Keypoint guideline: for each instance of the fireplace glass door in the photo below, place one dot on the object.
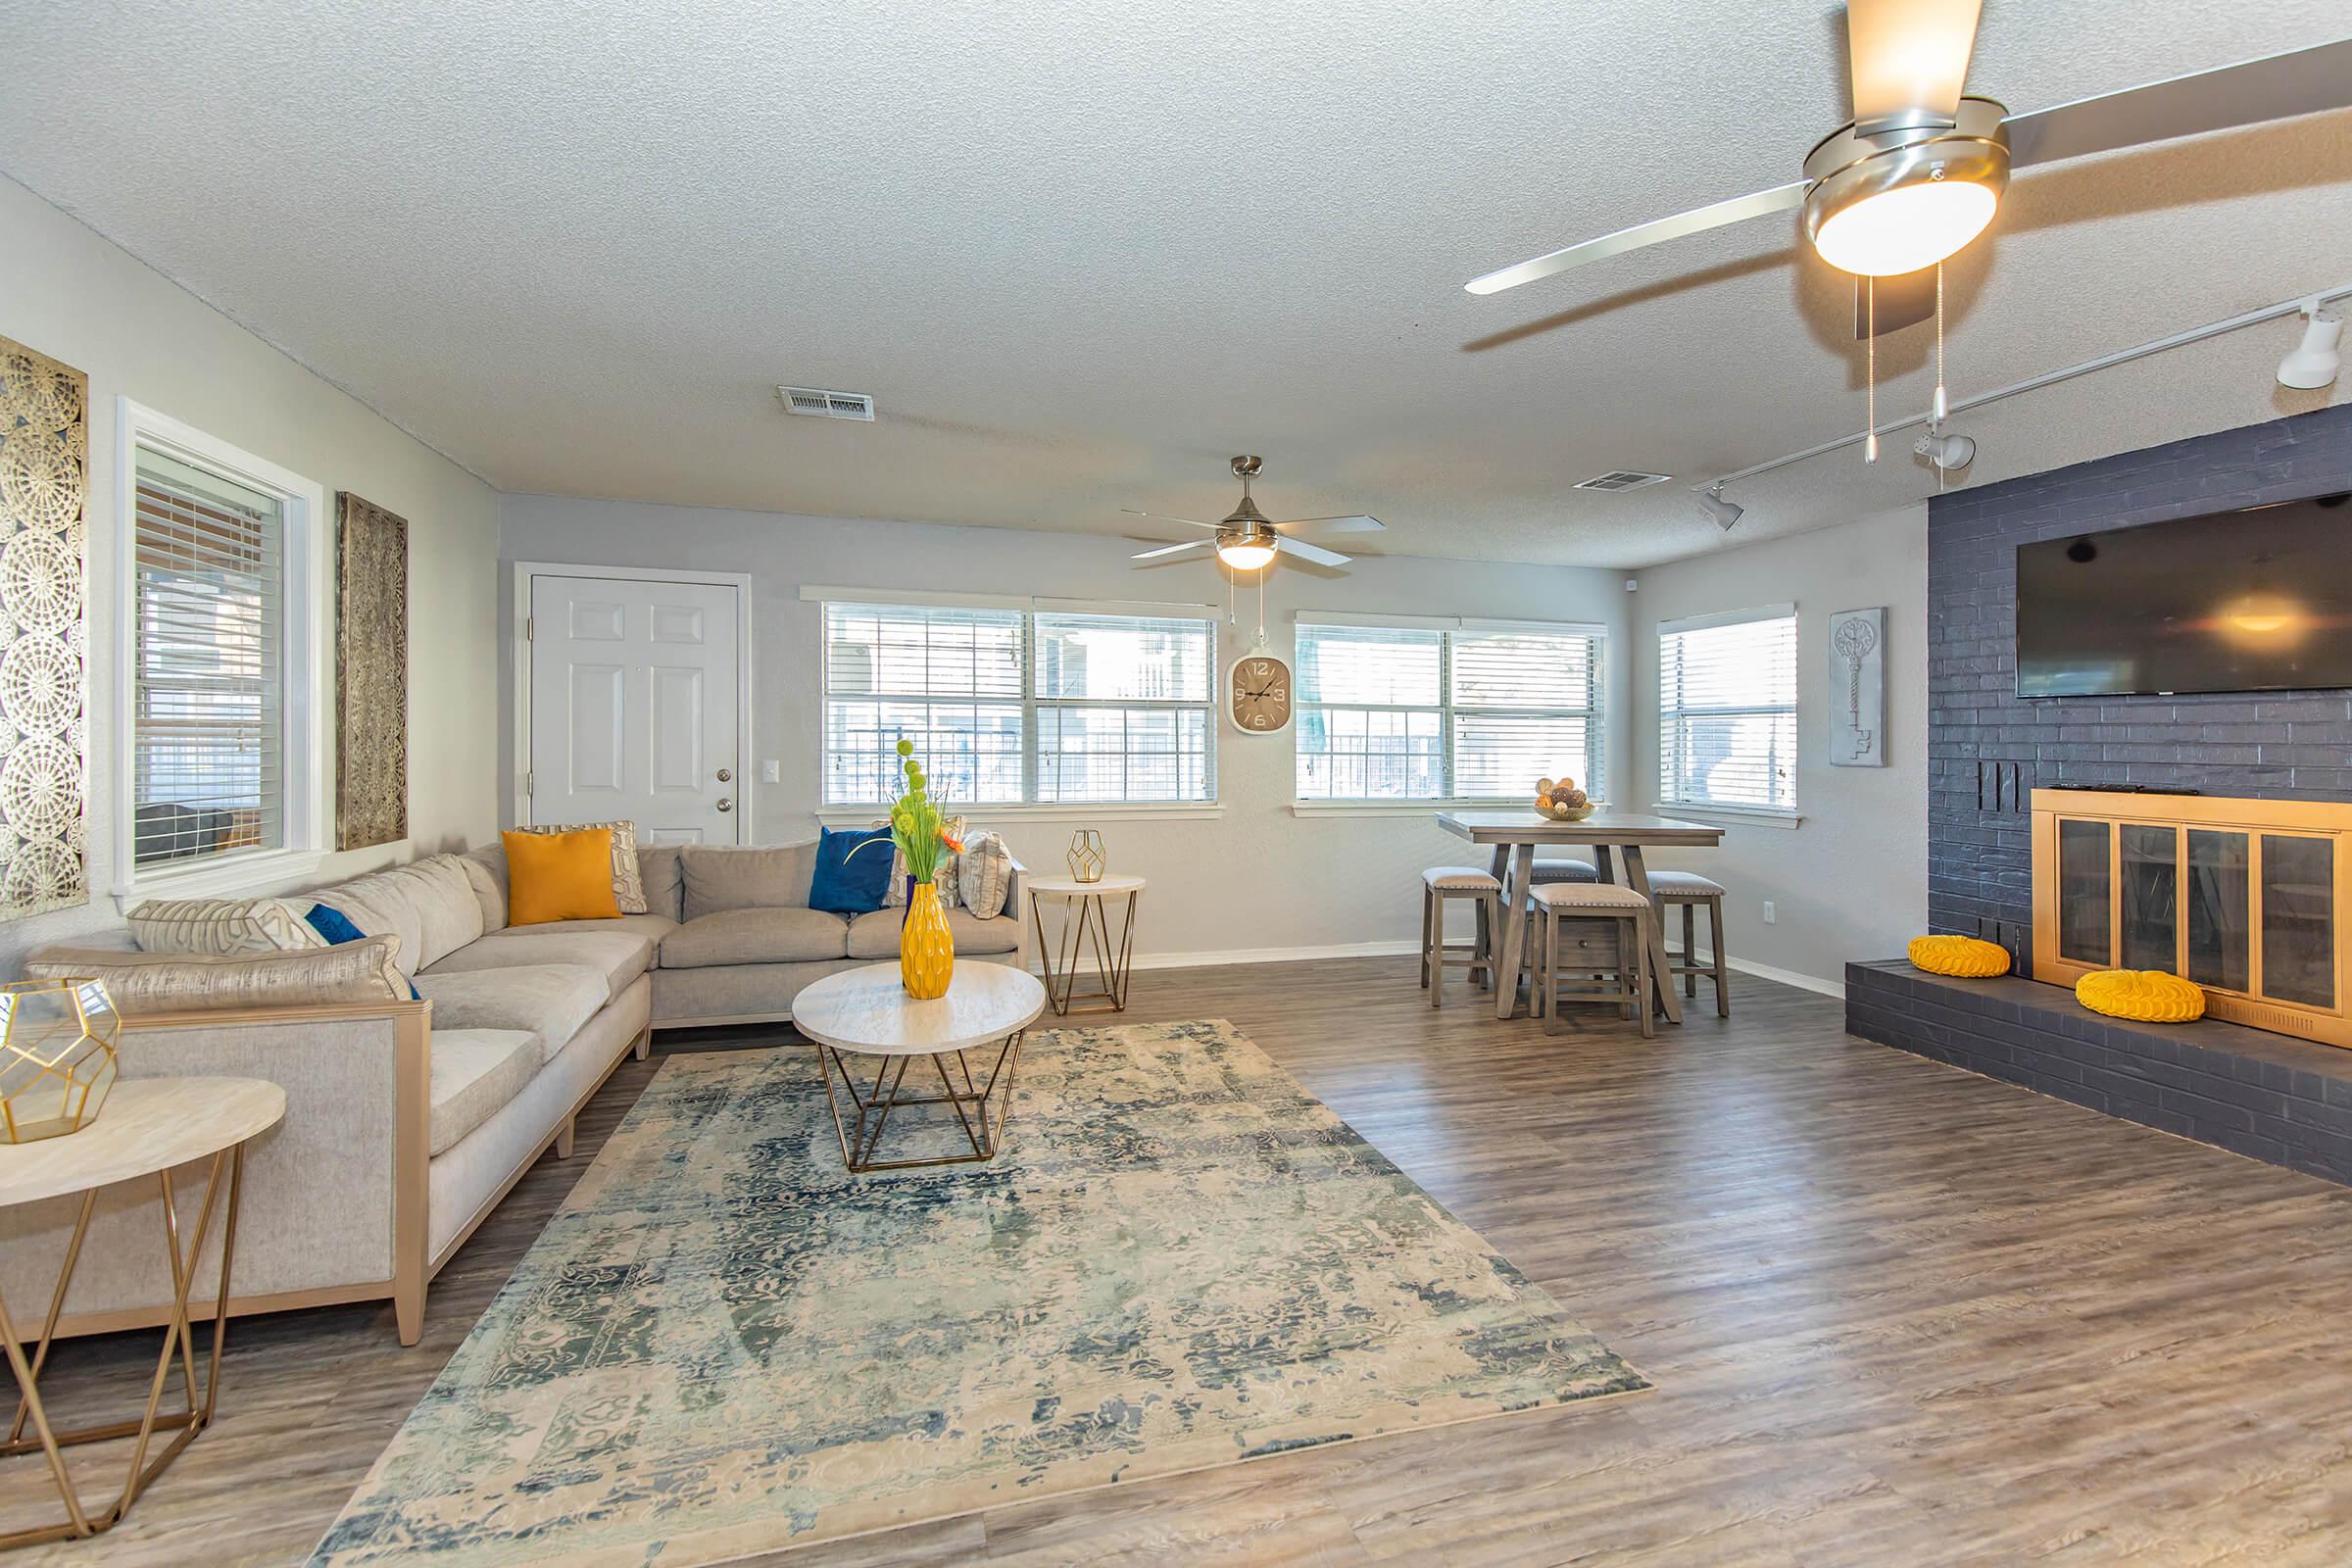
(2298, 925)
(2219, 886)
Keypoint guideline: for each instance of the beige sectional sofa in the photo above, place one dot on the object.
(408, 1121)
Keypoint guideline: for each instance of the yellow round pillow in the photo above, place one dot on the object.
(1965, 956)
(2146, 996)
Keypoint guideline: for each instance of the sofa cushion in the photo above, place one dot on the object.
(618, 950)
(430, 904)
(550, 999)
(474, 1073)
(876, 935)
(719, 877)
(628, 882)
(756, 936)
(485, 866)
(658, 871)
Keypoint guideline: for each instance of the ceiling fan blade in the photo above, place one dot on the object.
(2300, 82)
(1909, 60)
(1904, 299)
(1171, 550)
(1738, 209)
(1306, 552)
(1157, 517)
(1358, 523)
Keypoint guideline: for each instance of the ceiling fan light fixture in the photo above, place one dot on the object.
(1883, 205)
(1247, 553)
(2315, 362)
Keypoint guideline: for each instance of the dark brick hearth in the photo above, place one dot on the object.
(1987, 748)
(2287, 1102)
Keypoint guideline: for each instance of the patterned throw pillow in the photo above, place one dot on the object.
(984, 875)
(894, 897)
(219, 928)
(628, 882)
(143, 983)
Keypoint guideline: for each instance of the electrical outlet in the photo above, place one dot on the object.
(1771, 915)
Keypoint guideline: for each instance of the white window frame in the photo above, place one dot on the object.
(308, 734)
(855, 814)
(1596, 718)
(1775, 815)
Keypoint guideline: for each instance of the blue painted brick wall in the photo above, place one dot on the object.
(1989, 749)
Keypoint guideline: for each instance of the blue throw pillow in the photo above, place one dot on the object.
(841, 885)
(334, 926)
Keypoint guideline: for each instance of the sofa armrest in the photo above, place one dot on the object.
(335, 1198)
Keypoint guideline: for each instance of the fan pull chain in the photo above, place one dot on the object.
(1870, 323)
(1262, 573)
(1942, 476)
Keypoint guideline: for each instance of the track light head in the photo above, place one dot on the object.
(1725, 514)
(1946, 451)
(2315, 362)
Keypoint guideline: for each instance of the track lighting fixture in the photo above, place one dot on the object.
(2314, 363)
(1725, 514)
(1946, 451)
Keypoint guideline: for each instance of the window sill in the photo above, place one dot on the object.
(1745, 815)
(1058, 812)
(1429, 807)
(246, 876)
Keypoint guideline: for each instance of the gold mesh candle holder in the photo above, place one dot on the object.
(1088, 858)
(57, 1057)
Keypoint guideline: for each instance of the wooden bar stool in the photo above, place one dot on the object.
(1691, 890)
(1483, 891)
(1564, 909)
(1564, 871)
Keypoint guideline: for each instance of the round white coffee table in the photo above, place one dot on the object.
(867, 1013)
(1085, 922)
(145, 1128)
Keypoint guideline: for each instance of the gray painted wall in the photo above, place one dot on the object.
(1257, 876)
(1989, 747)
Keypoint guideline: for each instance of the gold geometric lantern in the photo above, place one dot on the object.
(57, 1057)
(1087, 857)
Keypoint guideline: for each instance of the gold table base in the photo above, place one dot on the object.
(970, 1103)
(1084, 924)
(179, 1341)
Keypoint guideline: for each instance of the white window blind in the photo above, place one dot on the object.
(1009, 706)
(1727, 710)
(208, 731)
(1466, 713)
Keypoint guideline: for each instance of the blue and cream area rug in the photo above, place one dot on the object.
(724, 1342)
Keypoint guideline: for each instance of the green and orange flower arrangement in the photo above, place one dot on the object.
(926, 945)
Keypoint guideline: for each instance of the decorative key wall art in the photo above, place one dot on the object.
(1858, 688)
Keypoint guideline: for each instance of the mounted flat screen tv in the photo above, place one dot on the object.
(2250, 601)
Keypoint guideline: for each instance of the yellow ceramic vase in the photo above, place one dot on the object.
(926, 947)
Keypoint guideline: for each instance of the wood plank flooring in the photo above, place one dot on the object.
(1897, 1315)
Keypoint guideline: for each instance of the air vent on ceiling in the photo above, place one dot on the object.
(1622, 479)
(819, 404)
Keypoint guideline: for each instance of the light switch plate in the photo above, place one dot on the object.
(771, 771)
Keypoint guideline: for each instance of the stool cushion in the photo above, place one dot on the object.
(1563, 871)
(1567, 897)
(1684, 884)
(1460, 879)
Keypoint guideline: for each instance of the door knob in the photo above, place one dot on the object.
(725, 805)
(725, 774)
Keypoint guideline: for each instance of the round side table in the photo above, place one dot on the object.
(1085, 923)
(148, 1126)
(867, 1013)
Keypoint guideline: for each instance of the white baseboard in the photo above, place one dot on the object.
(1790, 978)
(1406, 946)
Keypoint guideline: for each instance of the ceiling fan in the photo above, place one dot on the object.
(1920, 171)
(1247, 539)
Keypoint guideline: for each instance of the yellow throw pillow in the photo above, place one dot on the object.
(560, 876)
(1964, 956)
(2145, 996)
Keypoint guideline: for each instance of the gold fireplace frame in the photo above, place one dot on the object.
(2332, 821)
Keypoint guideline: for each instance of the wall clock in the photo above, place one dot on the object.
(1258, 692)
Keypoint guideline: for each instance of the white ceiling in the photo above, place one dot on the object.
(1080, 254)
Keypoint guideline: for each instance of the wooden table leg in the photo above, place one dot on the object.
(1661, 974)
(1522, 870)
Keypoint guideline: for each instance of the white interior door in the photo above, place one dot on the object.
(636, 705)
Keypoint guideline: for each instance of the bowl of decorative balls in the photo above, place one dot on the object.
(1560, 800)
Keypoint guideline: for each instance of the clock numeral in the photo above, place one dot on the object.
(1257, 721)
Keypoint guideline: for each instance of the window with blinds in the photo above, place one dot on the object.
(1727, 709)
(1469, 711)
(207, 764)
(1011, 706)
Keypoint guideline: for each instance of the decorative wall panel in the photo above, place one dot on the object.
(44, 559)
(371, 675)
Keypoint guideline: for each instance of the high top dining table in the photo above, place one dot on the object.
(1514, 834)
